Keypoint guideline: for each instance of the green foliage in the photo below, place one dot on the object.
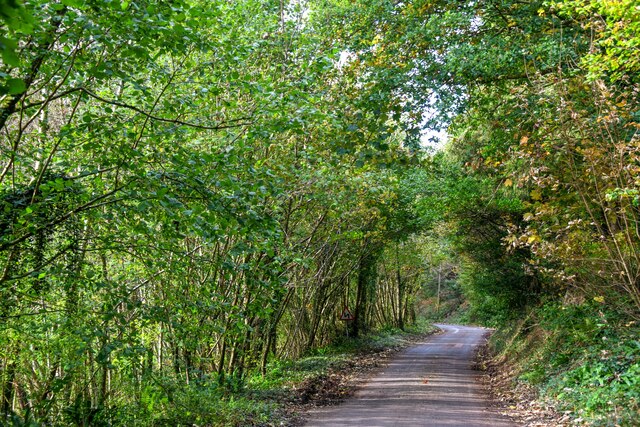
(594, 353)
(615, 39)
(479, 215)
(202, 403)
(582, 356)
(16, 21)
(187, 190)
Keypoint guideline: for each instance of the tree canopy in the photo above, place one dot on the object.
(190, 189)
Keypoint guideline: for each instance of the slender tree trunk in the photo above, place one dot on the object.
(439, 284)
(400, 290)
(365, 288)
(7, 389)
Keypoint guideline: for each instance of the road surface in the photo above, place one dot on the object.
(431, 384)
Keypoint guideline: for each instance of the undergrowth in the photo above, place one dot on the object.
(582, 357)
(254, 400)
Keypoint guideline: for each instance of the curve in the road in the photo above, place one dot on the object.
(431, 384)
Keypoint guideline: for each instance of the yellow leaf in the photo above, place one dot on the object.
(528, 216)
(536, 195)
(508, 183)
(533, 239)
(599, 299)
(524, 139)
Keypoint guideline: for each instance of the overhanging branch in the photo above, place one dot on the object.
(239, 122)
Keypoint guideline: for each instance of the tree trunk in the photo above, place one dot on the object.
(364, 292)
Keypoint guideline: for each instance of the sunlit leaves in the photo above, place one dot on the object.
(176, 176)
(615, 27)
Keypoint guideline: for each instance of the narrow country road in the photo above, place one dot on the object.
(431, 384)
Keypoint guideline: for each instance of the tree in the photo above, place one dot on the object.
(182, 198)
